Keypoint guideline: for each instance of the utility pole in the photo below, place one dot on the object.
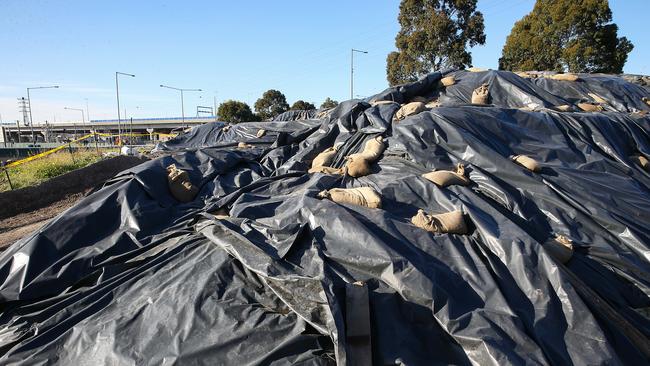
(352, 51)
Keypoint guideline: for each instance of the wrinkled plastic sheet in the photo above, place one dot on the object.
(296, 115)
(131, 276)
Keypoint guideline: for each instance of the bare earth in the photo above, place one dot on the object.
(24, 211)
(18, 226)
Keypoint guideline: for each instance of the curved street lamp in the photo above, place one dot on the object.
(352, 51)
(182, 101)
(117, 90)
(29, 100)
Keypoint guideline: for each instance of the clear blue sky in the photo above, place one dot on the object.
(231, 50)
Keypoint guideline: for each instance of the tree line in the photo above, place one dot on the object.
(557, 35)
(267, 107)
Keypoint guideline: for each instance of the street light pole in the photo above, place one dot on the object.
(214, 107)
(83, 117)
(117, 90)
(182, 100)
(29, 100)
(352, 51)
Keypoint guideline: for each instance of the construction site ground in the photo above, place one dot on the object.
(18, 226)
(25, 210)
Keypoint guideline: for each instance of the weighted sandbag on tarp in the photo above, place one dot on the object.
(444, 178)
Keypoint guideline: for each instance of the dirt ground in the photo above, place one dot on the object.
(25, 210)
(14, 228)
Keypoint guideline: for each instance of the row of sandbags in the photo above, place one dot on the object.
(527, 90)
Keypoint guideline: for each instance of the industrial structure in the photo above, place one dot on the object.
(58, 132)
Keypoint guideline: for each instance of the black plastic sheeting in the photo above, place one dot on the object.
(295, 115)
(131, 276)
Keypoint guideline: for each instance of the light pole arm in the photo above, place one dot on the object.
(29, 99)
(117, 91)
(182, 98)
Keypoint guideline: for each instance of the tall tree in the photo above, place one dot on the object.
(302, 105)
(434, 35)
(329, 103)
(272, 103)
(234, 111)
(566, 35)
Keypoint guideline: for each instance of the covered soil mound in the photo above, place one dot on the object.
(533, 246)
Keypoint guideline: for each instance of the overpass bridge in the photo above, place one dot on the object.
(50, 132)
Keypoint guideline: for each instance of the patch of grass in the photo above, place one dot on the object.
(40, 170)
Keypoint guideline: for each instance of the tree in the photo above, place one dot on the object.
(434, 35)
(234, 111)
(272, 103)
(329, 103)
(302, 105)
(566, 35)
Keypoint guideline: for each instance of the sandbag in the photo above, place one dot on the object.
(565, 77)
(560, 248)
(225, 128)
(261, 132)
(381, 102)
(176, 175)
(243, 145)
(642, 161)
(179, 184)
(444, 223)
(646, 100)
(324, 113)
(563, 108)
(590, 107)
(527, 162)
(524, 74)
(448, 81)
(373, 149)
(358, 165)
(433, 104)
(409, 109)
(363, 196)
(325, 158)
(221, 213)
(597, 98)
(481, 94)
(476, 69)
(327, 170)
(445, 178)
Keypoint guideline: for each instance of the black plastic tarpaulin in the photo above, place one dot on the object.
(130, 275)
